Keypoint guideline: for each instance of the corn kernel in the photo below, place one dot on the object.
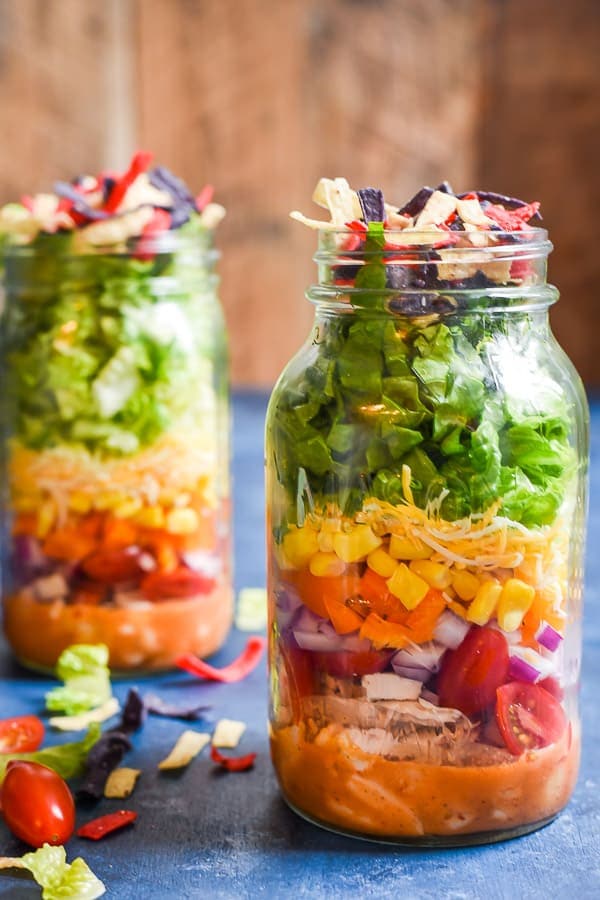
(182, 521)
(109, 500)
(356, 544)
(325, 541)
(515, 601)
(299, 545)
(80, 502)
(182, 500)
(46, 517)
(151, 517)
(408, 548)
(382, 563)
(435, 574)
(465, 584)
(484, 605)
(407, 586)
(326, 564)
(128, 508)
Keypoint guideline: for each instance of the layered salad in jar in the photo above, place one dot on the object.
(115, 421)
(424, 528)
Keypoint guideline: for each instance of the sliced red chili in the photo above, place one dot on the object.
(139, 164)
(232, 763)
(245, 663)
(103, 825)
(204, 197)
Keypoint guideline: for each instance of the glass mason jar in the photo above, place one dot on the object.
(426, 486)
(116, 514)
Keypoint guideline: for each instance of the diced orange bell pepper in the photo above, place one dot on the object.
(422, 620)
(119, 533)
(539, 609)
(343, 619)
(384, 633)
(374, 590)
(25, 523)
(68, 544)
(314, 590)
(90, 525)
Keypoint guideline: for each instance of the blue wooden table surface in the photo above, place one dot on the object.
(209, 834)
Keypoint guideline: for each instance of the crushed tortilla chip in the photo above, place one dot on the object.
(121, 782)
(187, 746)
(228, 733)
(82, 720)
(251, 612)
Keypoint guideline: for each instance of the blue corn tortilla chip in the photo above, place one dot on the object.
(160, 707)
(66, 190)
(183, 201)
(417, 203)
(105, 755)
(372, 204)
(134, 714)
(503, 200)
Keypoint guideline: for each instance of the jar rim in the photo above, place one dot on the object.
(200, 243)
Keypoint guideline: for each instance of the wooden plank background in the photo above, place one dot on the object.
(263, 98)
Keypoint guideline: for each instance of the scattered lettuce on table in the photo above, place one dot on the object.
(84, 670)
(58, 879)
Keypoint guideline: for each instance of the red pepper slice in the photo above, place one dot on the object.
(232, 763)
(357, 226)
(103, 825)
(235, 671)
(204, 197)
(139, 164)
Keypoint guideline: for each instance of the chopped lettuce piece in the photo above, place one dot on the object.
(67, 759)
(59, 879)
(84, 669)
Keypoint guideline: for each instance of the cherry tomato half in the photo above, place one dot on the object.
(528, 716)
(345, 664)
(171, 585)
(21, 734)
(37, 804)
(470, 675)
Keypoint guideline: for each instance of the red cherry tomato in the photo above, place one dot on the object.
(21, 734)
(344, 664)
(171, 585)
(470, 675)
(112, 566)
(528, 717)
(37, 804)
(553, 686)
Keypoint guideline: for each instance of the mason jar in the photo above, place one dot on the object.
(116, 514)
(426, 461)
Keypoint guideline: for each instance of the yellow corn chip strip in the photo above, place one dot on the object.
(82, 720)
(228, 733)
(121, 782)
(188, 745)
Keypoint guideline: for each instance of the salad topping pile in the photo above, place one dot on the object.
(424, 487)
(115, 354)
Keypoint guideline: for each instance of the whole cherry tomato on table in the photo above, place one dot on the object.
(37, 804)
(21, 734)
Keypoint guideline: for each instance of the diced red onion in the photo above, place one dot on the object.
(352, 643)
(548, 636)
(450, 629)
(415, 673)
(307, 620)
(313, 640)
(533, 662)
(519, 670)
(425, 656)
